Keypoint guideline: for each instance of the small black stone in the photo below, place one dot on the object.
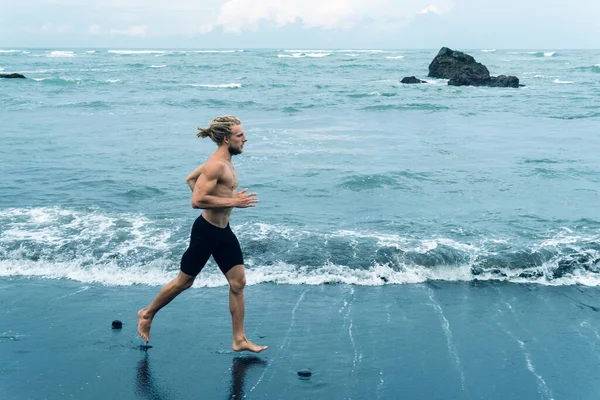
(116, 324)
(305, 373)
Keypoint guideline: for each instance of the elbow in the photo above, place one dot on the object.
(196, 202)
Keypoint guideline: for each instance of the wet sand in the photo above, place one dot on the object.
(431, 341)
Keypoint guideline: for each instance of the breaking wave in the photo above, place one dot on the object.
(93, 246)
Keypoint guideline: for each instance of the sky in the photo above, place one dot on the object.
(301, 24)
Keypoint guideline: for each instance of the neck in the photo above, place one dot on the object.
(223, 152)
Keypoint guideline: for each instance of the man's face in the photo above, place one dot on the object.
(237, 140)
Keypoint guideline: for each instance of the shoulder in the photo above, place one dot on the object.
(213, 168)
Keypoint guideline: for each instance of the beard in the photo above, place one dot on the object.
(235, 151)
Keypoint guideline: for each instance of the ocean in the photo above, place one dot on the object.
(366, 186)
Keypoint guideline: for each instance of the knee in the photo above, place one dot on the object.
(237, 285)
(183, 284)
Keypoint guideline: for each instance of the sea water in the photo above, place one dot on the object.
(361, 179)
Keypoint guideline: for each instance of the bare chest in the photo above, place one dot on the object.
(229, 179)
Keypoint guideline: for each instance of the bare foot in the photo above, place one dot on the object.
(246, 345)
(144, 322)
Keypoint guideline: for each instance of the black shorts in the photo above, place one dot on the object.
(206, 240)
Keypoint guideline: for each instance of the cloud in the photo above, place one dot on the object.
(310, 23)
(160, 5)
(51, 29)
(430, 9)
(240, 15)
(237, 15)
(95, 30)
(134, 31)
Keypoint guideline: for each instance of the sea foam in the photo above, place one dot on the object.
(129, 249)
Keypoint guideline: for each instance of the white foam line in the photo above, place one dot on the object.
(541, 382)
(293, 321)
(542, 386)
(71, 294)
(448, 333)
(350, 335)
(349, 305)
(357, 358)
(380, 386)
(284, 342)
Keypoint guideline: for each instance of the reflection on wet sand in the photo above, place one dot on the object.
(239, 368)
(146, 388)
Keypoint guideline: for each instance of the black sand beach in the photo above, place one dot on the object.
(430, 341)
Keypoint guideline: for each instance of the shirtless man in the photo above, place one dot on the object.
(214, 189)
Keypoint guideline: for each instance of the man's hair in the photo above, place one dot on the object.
(219, 128)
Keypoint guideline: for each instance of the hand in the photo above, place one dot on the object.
(243, 200)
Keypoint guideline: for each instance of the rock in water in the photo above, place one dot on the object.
(116, 324)
(462, 70)
(449, 63)
(411, 79)
(12, 76)
(504, 81)
(304, 373)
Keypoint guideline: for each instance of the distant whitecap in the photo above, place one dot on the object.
(60, 53)
(562, 82)
(128, 52)
(363, 51)
(216, 51)
(223, 85)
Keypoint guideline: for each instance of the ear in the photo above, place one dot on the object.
(226, 140)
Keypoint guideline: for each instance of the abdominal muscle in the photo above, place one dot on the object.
(219, 216)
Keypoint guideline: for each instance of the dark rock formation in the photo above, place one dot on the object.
(8, 76)
(504, 81)
(449, 63)
(411, 79)
(462, 70)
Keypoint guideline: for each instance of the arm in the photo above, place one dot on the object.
(193, 177)
(205, 185)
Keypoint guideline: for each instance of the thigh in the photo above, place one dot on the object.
(201, 247)
(228, 253)
(194, 259)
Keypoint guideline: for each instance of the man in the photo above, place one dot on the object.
(214, 189)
